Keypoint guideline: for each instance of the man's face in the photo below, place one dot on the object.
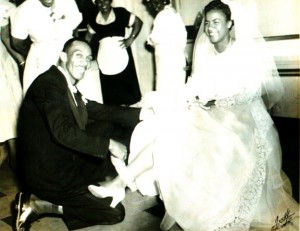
(79, 57)
(47, 3)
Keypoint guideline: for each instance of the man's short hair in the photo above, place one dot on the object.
(70, 42)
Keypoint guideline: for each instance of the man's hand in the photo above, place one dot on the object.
(117, 149)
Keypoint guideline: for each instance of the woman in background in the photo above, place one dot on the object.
(216, 154)
(51, 25)
(169, 38)
(112, 49)
(10, 86)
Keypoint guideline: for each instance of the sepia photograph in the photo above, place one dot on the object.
(149, 115)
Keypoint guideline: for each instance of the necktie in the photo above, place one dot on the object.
(81, 108)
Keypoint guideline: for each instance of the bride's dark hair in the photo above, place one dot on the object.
(218, 5)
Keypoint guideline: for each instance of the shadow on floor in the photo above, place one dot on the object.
(288, 130)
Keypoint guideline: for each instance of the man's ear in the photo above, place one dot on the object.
(63, 57)
(229, 24)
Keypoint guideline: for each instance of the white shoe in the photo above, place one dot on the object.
(102, 192)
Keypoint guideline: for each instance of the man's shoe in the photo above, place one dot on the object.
(25, 214)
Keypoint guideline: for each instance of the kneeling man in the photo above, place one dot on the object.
(64, 141)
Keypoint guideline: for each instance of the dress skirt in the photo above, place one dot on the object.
(219, 169)
(11, 95)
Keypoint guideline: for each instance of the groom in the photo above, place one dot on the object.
(64, 142)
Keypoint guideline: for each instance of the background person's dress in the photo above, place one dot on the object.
(48, 28)
(10, 87)
(118, 76)
(169, 38)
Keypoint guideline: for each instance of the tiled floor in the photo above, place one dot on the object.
(143, 213)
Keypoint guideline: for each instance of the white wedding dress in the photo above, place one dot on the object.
(218, 168)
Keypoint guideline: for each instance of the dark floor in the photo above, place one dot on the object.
(145, 213)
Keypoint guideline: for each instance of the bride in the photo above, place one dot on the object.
(213, 148)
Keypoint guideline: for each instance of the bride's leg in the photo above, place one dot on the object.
(143, 137)
(116, 188)
(140, 158)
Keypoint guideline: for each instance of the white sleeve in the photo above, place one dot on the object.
(20, 22)
(131, 20)
(73, 14)
(165, 28)
(6, 9)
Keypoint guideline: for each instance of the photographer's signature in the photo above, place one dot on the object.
(283, 221)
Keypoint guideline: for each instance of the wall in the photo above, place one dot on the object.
(279, 17)
(279, 20)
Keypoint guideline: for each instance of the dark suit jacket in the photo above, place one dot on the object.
(58, 156)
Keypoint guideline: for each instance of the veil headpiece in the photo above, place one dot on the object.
(245, 31)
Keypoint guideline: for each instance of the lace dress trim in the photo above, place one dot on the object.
(246, 202)
(244, 98)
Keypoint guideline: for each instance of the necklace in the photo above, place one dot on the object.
(228, 45)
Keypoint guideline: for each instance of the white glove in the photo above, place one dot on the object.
(117, 149)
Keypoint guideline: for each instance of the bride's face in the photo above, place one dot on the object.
(216, 26)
